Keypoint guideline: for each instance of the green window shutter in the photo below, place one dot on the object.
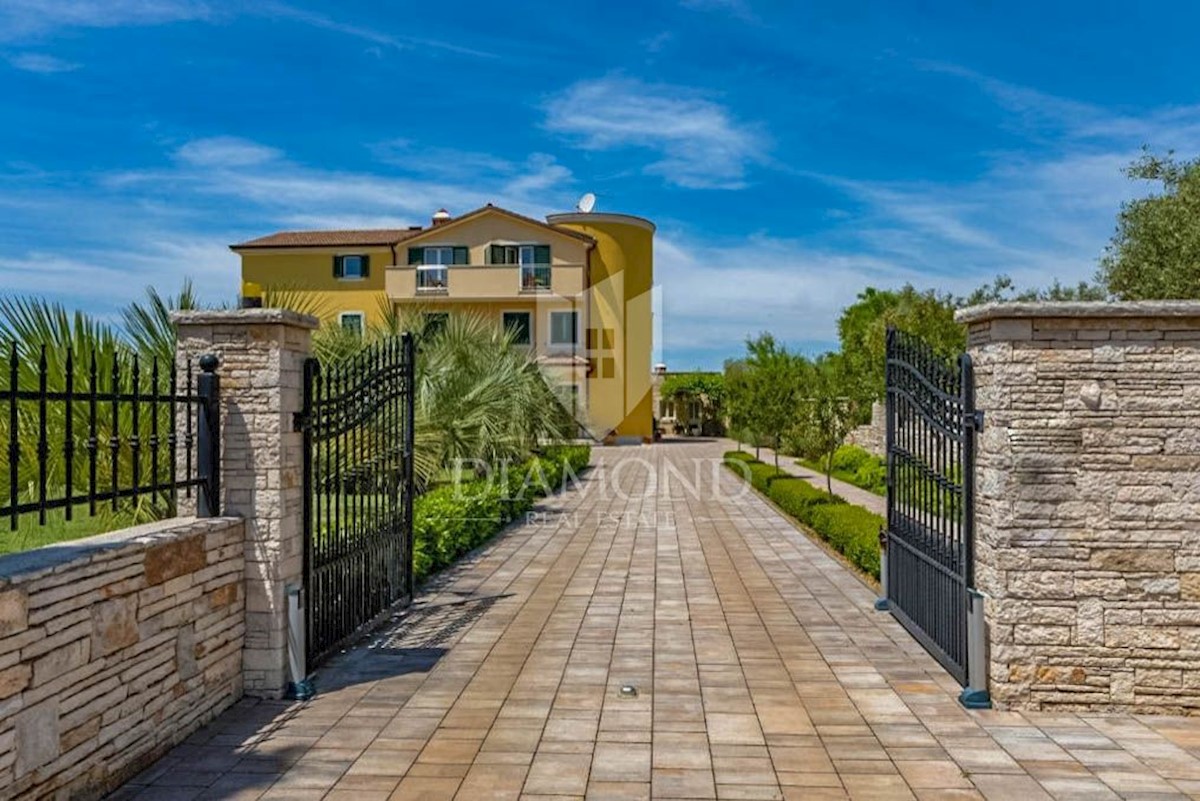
(366, 265)
(337, 266)
(416, 255)
(541, 254)
(462, 255)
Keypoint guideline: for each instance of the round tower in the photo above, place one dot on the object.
(620, 327)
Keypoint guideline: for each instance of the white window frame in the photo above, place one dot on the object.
(532, 324)
(550, 326)
(442, 250)
(362, 320)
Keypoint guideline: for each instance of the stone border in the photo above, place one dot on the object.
(58, 557)
(244, 316)
(1078, 309)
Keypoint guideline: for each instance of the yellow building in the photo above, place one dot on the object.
(576, 289)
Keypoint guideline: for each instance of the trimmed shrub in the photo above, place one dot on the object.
(851, 530)
(452, 520)
(798, 498)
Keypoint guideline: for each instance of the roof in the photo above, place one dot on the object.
(384, 237)
(301, 239)
(489, 208)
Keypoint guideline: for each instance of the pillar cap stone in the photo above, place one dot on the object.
(244, 317)
(1078, 309)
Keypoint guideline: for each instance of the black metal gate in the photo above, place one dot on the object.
(931, 426)
(358, 491)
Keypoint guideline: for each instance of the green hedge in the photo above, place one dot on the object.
(852, 530)
(452, 520)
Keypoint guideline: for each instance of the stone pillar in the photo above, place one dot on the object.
(262, 353)
(1088, 502)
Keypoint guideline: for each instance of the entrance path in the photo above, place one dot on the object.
(760, 670)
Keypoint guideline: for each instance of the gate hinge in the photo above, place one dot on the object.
(975, 418)
(883, 538)
(299, 421)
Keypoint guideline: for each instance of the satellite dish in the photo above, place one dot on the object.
(586, 203)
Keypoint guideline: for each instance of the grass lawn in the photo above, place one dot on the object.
(30, 534)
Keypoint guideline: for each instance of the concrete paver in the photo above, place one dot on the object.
(760, 668)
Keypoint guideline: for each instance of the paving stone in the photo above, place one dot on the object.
(762, 672)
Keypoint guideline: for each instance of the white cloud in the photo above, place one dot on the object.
(366, 33)
(225, 152)
(697, 142)
(281, 191)
(138, 228)
(41, 63)
(26, 19)
(21, 19)
(106, 279)
(1037, 214)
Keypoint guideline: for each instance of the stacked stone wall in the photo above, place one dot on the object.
(113, 649)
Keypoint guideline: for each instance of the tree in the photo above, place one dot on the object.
(738, 400)
(831, 406)
(862, 330)
(1155, 252)
(1003, 290)
(773, 388)
(707, 389)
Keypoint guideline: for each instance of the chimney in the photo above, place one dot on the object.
(441, 217)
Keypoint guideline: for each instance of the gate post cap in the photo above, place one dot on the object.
(209, 362)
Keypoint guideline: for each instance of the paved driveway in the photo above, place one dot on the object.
(760, 670)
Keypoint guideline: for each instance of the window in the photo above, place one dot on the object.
(519, 323)
(351, 267)
(439, 255)
(352, 321)
(564, 328)
(518, 254)
(435, 323)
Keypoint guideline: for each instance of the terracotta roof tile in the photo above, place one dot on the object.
(300, 239)
(383, 236)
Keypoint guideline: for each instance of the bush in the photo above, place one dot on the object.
(851, 530)
(452, 520)
(798, 498)
(762, 475)
(850, 458)
(856, 466)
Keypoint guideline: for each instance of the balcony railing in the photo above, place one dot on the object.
(535, 277)
(432, 279)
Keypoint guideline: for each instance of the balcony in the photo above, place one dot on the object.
(535, 277)
(433, 280)
(484, 282)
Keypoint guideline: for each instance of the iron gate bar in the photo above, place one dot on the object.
(931, 423)
(357, 421)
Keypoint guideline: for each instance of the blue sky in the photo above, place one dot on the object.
(791, 153)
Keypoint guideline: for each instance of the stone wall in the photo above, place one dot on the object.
(113, 649)
(1088, 503)
(872, 437)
